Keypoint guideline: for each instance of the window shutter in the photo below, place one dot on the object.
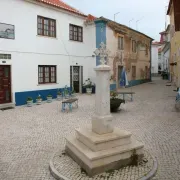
(177, 14)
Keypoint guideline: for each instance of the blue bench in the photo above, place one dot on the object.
(69, 103)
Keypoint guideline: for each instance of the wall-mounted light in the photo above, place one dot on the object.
(93, 55)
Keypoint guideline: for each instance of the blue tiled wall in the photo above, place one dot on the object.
(21, 97)
(100, 35)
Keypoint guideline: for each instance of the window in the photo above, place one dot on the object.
(46, 27)
(134, 46)
(120, 43)
(75, 33)
(133, 72)
(46, 74)
(7, 31)
(5, 56)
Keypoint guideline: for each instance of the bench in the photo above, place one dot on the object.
(124, 93)
(69, 103)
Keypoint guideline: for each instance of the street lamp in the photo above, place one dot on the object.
(115, 15)
(131, 21)
(137, 22)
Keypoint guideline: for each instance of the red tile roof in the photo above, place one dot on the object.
(60, 4)
(156, 43)
(91, 17)
(159, 50)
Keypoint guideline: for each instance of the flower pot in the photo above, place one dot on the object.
(66, 96)
(115, 104)
(59, 97)
(38, 101)
(89, 90)
(29, 103)
(73, 95)
(49, 99)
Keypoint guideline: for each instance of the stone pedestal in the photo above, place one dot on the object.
(101, 147)
(102, 121)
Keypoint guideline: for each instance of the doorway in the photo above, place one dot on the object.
(5, 84)
(76, 78)
(120, 69)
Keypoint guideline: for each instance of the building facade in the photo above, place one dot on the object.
(155, 58)
(44, 46)
(174, 13)
(128, 48)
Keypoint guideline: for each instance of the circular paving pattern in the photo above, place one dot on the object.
(63, 167)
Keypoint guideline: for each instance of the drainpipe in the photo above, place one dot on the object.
(150, 59)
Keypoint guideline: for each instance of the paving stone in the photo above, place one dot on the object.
(30, 136)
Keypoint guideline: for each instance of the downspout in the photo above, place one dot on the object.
(151, 59)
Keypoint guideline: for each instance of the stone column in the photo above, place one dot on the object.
(102, 121)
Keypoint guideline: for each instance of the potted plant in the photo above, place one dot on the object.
(73, 93)
(88, 85)
(49, 98)
(115, 102)
(29, 102)
(66, 92)
(39, 100)
(59, 95)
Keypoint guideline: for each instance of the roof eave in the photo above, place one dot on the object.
(108, 20)
(169, 7)
(55, 6)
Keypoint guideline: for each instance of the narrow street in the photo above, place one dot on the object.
(30, 136)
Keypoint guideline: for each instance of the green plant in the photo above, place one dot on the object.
(49, 95)
(134, 159)
(73, 91)
(29, 99)
(88, 83)
(113, 94)
(66, 92)
(39, 97)
(59, 93)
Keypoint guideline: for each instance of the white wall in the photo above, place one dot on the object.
(166, 59)
(30, 50)
(154, 55)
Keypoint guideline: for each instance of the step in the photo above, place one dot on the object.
(7, 105)
(104, 157)
(97, 142)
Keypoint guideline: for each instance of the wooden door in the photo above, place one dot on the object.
(133, 72)
(5, 84)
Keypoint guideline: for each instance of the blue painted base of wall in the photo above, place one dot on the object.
(21, 97)
(131, 83)
(93, 90)
(137, 82)
(112, 87)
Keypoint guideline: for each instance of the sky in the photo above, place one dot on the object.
(151, 13)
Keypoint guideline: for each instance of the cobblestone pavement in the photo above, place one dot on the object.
(30, 136)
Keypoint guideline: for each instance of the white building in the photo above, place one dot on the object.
(43, 47)
(160, 53)
(154, 58)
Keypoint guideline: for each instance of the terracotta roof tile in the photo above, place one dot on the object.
(62, 5)
(91, 17)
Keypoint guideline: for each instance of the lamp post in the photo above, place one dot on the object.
(131, 21)
(115, 15)
(137, 22)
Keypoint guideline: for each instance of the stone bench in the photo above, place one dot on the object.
(125, 93)
(69, 103)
